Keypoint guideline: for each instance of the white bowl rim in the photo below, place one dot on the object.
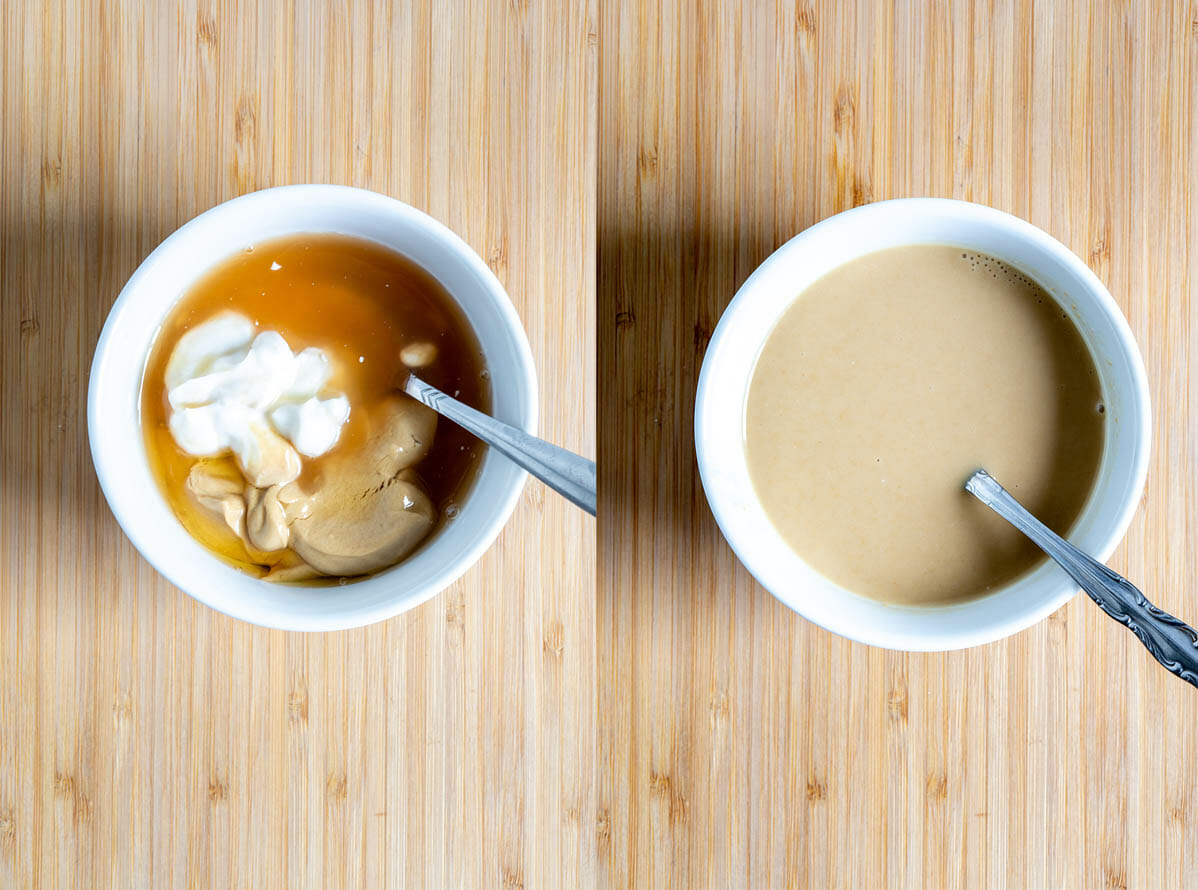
(880, 636)
(173, 570)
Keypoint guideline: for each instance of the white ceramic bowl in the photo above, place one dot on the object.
(748, 321)
(114, 418)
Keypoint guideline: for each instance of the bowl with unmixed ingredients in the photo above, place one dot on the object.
(246, 420)
(866, 368)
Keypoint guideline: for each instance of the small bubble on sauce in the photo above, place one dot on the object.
(250, 249)
(274, 266)
(1101, 408)
(361, 359)
(451, 511)
(485, 374)
(343, 581)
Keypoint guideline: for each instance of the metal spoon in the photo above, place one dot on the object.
(563, 471)
(1171, 641)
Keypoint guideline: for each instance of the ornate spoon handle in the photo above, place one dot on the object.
(562, 470)
(1171, 641)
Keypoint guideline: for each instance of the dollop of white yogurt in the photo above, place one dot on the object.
(234, 389)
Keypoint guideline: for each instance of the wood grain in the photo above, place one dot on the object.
(739, 745)
(146, 740)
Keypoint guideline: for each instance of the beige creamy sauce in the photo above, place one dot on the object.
(890, 380)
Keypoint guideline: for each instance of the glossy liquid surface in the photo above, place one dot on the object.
(885, 385)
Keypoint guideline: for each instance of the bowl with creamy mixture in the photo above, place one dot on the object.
(246, 416)
(867, 368)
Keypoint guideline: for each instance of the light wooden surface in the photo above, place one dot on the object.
(147, 741)
(739, 745)
(699, 734)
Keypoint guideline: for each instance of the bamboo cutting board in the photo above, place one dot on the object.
(147, 741)
(739, 745)
(676, 727)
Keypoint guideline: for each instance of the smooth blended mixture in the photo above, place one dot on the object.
(885, 385)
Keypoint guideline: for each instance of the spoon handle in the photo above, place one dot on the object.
(1171, 641)
(565, 472)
